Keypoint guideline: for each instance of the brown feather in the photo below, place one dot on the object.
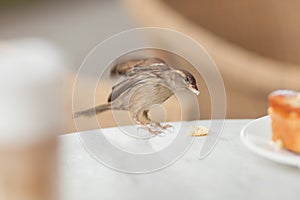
(92, 111)
(123, 68)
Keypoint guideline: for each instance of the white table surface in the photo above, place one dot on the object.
(230, 172)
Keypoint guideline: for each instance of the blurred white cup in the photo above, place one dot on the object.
(31, 110)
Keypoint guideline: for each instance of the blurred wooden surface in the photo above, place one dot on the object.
(29, 171)
(267, 27)
(250, 41)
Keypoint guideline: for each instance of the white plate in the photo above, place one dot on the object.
(256, 135)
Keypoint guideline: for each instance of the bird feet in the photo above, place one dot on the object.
(157, 128)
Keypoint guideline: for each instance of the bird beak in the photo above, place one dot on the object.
(194, 89)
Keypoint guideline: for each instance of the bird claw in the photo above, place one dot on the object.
(156, 128)
(163, 127)
(151, 130)
(168, 126)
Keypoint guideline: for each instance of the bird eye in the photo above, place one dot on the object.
(186, 79)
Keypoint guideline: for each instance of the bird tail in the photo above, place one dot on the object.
(92, 111)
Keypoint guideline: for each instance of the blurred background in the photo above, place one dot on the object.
(74, 25)
(255, 44)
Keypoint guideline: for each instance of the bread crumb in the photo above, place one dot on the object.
(277, 144)
(199, 131)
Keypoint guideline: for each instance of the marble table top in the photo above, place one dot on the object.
(229, 172)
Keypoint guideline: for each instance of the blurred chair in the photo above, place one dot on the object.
(255, 44)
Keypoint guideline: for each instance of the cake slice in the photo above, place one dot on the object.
(284, 110)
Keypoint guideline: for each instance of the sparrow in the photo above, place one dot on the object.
(144, 82)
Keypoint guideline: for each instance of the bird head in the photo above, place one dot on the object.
(186, 80)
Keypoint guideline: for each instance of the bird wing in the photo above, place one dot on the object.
(142, 73)
(124, 68)
(129, 82)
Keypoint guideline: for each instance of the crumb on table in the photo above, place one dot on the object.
(199, 131)
(278, 145)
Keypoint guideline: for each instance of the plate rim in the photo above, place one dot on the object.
(270, 155)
